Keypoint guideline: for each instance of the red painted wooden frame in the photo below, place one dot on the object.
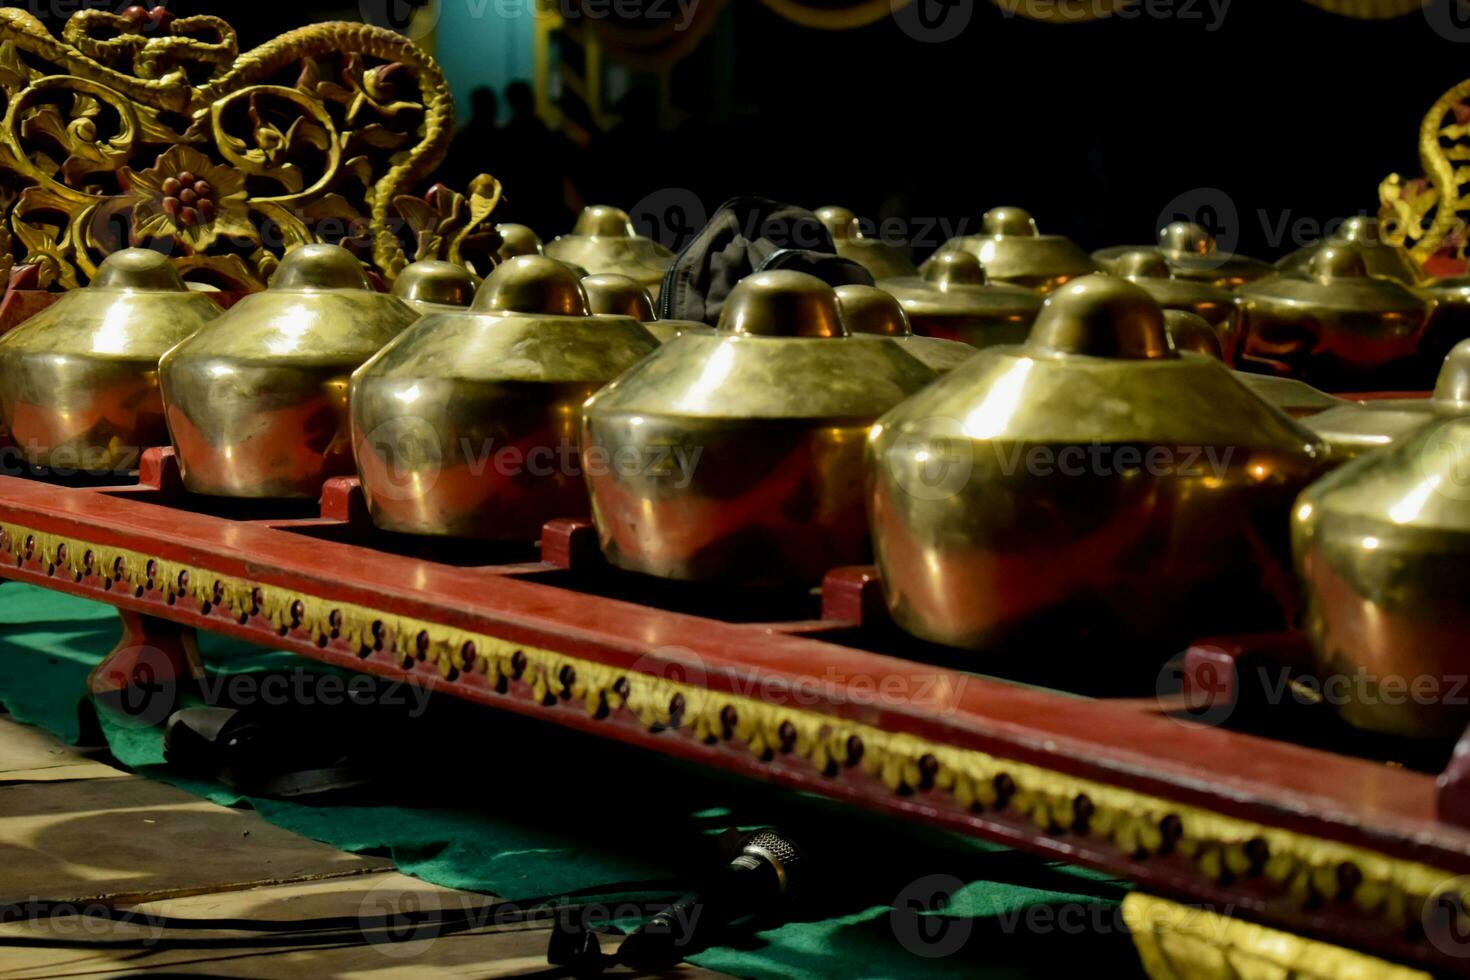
(1137, 746)
(1150, 748)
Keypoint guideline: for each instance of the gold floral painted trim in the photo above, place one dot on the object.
(1178, 942)
(1222, 848)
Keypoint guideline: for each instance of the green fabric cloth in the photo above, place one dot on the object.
(520, 808)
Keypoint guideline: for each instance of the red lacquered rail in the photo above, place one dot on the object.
(1313, 841)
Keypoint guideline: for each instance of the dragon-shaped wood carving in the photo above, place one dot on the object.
(143, 128)
(1427, 214)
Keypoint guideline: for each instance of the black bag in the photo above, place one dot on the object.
(832, 269)
(740, 237)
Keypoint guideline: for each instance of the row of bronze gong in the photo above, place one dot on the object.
(1093, 465)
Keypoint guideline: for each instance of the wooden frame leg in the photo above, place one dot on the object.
(154, 662)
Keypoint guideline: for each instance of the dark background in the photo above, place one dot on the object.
(1293, 113)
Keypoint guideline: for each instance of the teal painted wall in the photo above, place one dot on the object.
(484, 42)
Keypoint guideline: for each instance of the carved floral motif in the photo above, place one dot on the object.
(1427, 214)
(144, 128)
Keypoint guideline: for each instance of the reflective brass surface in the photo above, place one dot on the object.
(603, 240)
(79, 380)
(1334, 325)
(666, 330)
(1296, 398)
(467, 424)
(1013, 250)
(1381, 256)
(1093, 481)
(882, 260)
(617, 295)
(257, 401)
(953, 300)
(1382, 549)
(868, 311)
(433, 285)
(1450, 323)
(1352, 428)
(741, 453)
(1217, 306)
(516, 240)
(1189, 255)
(1188, 332)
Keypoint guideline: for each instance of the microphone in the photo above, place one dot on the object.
(762, 879)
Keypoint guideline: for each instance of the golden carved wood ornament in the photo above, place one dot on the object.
(146, 128)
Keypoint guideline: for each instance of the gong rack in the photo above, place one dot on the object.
(1217, 782)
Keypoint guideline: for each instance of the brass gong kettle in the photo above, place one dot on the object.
(466, 425)
(1189, 253)
(952, 299)
(1013, 250)
(604, 240)
(257, 401)
(737, 457)
(1382, 548)
(79, 380)
(1092, 481)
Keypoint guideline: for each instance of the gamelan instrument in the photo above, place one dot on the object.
(882, 259)
(1013, 250)
(954, 299)
(741, 452)
(1214, 304)
(79, 383)
(466, 425)
(604, 240)
(256, 400)
(868, 311)
(1073, 505)
(1189, 253)
(1335, 325)
(1033, 489)
(611, 293)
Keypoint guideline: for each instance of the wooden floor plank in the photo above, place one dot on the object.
(131, 838)
(26, 749)
(489, 949)
(157, 855)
